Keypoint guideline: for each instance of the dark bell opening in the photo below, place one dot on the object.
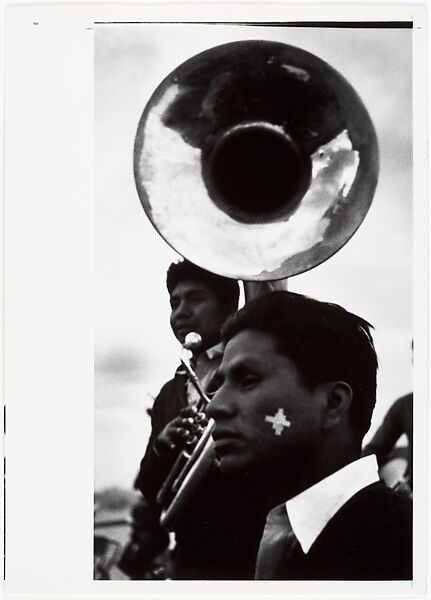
(256, 173)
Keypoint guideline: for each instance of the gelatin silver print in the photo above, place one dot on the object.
(254, 306)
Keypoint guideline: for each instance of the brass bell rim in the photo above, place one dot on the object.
(176, 186)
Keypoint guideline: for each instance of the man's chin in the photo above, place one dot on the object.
(232, 465)
(239, 476)
(181, 335)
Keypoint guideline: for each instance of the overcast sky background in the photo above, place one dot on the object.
(135, 350)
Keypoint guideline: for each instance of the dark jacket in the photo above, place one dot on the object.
(369, 538)
(167, 405)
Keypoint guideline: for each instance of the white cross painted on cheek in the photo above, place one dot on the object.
(279, 421)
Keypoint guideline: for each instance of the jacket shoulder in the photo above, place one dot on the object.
(370, 537)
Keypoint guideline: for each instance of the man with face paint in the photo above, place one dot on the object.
(297, 388)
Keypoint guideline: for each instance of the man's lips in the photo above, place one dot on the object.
(223, 436)
(184, 328)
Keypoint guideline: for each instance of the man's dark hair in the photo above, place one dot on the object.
(323, 340)
(226, 290)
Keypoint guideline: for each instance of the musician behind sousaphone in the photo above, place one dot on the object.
(217, 536)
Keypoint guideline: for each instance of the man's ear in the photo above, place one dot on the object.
(338, 397)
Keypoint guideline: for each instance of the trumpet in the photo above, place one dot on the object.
(198, 456)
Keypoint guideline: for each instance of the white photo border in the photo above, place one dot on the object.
(49, 295)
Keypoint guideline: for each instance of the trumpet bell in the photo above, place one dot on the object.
(255, 160)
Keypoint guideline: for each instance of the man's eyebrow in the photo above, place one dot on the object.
(242, 364)
(189, 293)
(196, 292)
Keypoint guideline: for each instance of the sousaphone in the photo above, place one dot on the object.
(255, 160)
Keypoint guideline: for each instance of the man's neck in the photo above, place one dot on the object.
(205, 347)
(306, 475)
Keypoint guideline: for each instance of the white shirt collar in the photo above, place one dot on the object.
(310, 511)
(211, 353)
(214, 351)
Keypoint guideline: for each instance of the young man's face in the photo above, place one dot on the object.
(265, 416)
(194, 307)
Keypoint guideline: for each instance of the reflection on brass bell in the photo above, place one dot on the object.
(256, 160)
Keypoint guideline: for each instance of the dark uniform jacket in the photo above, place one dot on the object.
(167, 405)
(369, 538)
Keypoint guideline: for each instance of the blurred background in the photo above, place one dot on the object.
(135, 350)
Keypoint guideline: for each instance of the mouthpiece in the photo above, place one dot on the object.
(192, 341)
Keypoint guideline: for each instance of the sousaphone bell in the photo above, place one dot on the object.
(255, 160)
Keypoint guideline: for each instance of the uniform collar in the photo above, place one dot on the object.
(310, 511)
(215, 351)
(211, 353)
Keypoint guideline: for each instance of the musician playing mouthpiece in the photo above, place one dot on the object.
(297, 391)
(215, 539)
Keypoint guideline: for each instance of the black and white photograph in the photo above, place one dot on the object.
(272, 172)
(215, 301)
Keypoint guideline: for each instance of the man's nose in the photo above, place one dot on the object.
(183, 309)
(221, 405)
